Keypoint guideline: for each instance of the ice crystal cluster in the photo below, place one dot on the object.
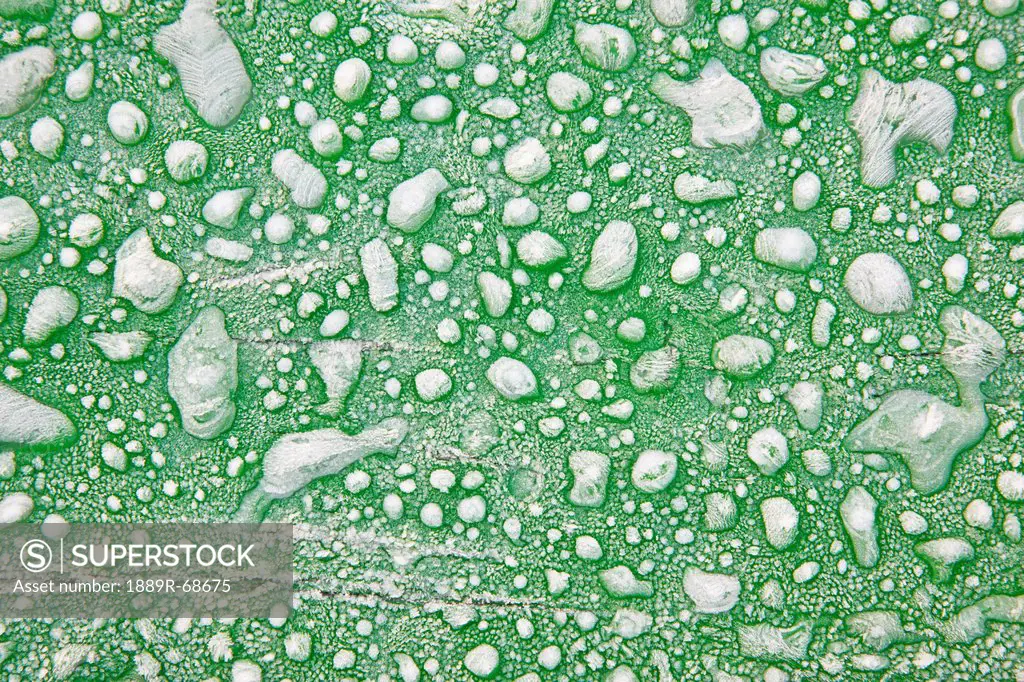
(604, 340)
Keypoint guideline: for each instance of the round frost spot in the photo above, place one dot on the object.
(878, 284)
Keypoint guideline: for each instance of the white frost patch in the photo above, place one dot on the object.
(711, 592)
(723, 110)
(127, 122)
(186, 160)
(52, 309)
(121, 346)
(482, 661)
(432, 384)
(697, 189)
(512, 378)
(789, 248)
(297, 459)
(768, 449)
(1009, 224)
(495, 292)
(590, 478)
(339, 364)
(19, 227)
(612, 257)
(350, 80)
(806, 191)
(229, 250)
(781, 521)
(211, 70)
(806, 399)
(741, 356)
(23, 75)
(202, 375)
(886, 115)
(539, 250)
(857, 513)
(47, 137)
(15, 507)
(685, 268)
(29, 423)
(224, 207)
(142, 277)
(878, 283)
(673, 13)
(304, 180)
(654, 470)
(412, 202)
(529, 18)
(568, 92)
(605, 46)
(527, 162)
(519, 212)
(789, 73)
(381, 272)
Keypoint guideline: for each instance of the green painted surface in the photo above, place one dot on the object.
(649, 340)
